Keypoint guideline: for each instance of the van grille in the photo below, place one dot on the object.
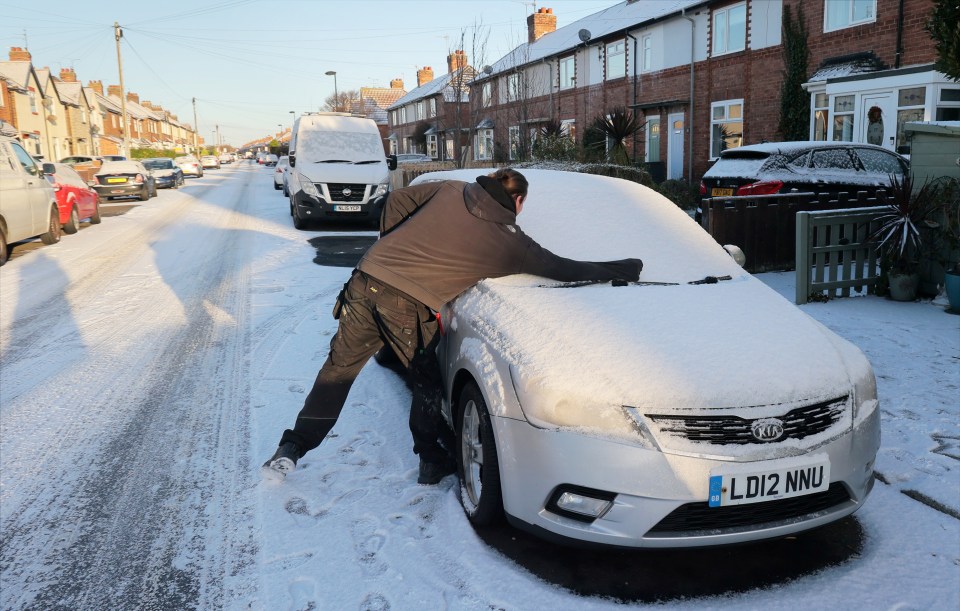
(722, 430)
(336, 190)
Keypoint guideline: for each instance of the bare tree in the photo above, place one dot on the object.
(473, 42)
(341, 100)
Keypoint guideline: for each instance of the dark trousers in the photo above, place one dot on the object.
(374, 315)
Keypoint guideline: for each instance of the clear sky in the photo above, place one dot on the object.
(249, 63)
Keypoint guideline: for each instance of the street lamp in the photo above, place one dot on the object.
(336, 96)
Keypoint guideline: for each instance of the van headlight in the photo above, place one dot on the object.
(864, 396)
(382, 189)
(309, 188)
(548, 408)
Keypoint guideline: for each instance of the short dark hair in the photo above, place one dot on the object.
(512, 181)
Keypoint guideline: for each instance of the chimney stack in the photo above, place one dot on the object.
(133, 97)
(67, 75)
(540, 23)
(396, 83)
(96, 86)
(113, 90)
(19, 55)
(424, 75)
(456, 60)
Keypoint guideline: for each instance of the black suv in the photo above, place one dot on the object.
(801, 167)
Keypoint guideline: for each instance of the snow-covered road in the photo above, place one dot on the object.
(149, 364)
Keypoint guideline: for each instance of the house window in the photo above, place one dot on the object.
(839, 14)
(616, 60)
(513, 87)
(432, 145)
(653, 138)
(486, 94)
(569, 128)
(448, 148)
(514, 142)
(33, 102)
(730, 29)
(843, 106)
(567, 74)
(948, 107)
(484, 144)
(910, 107)
(432, 107)
(726, 126)
(821, 116)
(646, 45)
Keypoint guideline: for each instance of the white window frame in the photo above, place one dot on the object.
(820, 107)
(939, 101)
(721, 29)
(512, 83)
(432, 145)
(646, 53)
(432, 107)
(727, 116)
(843, 114)
(32, 95)
(483, 145)
(486, 94)
(514, 140)
(848, 18)
(616, 58)
(567, 67)
(568, 127)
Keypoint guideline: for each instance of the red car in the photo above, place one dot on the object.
(75, 198)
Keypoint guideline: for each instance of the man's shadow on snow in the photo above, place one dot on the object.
(663, 575)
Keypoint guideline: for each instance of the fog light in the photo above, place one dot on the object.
(579, 503)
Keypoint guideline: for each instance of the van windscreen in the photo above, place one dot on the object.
(319, 146)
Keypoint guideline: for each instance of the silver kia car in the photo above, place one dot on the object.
(694, 407)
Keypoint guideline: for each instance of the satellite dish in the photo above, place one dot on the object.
(487, 70)
(584, 35)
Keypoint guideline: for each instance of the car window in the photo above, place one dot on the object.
(25, 159)
(68, 176)
(6, 161)
(832, 159)
(800, 161)
(159, 164)
(879, 161)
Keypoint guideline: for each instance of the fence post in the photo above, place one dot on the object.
(802, 260)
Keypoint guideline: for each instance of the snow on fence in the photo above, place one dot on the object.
(834, 253)
(406, 172)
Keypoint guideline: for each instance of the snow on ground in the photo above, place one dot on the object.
(350, 528)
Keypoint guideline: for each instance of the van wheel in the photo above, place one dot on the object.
(52, 236)
(477, 463)
(95, 217)
(73, 223)
(4, 250)
(298, 221)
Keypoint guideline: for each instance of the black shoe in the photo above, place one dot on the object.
(282, 462)
(432, 472)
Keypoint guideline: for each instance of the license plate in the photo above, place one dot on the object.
(718, 192)
(346, 208)
(115, 180)
(757, 487)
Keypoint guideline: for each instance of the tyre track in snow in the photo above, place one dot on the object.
(157, 519)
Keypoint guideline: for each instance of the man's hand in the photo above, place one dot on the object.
(627, 270)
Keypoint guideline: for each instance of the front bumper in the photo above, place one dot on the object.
(166, 182)
(124, 190)
(319, 209)
(661, 499)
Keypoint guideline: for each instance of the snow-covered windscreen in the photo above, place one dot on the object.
(331, 141)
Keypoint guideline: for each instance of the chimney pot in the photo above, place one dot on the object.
(18, 54)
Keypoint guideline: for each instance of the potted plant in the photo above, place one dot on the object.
(912, 219)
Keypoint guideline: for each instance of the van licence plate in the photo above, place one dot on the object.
(742, 488)
(346, 208)
(718, 192)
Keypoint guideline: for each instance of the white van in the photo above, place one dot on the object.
(338, 169)
(28, 203)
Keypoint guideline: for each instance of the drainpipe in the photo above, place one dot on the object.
(631, 37)
(693, 31)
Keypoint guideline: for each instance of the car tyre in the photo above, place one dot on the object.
(95, 217)
(4, 249)
(73, 223)
(276, 187)
(298, 221)
(477, 464)
(52, 236)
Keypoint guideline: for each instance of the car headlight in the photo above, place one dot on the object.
(864, 395)
(548, 408)
(309, 188)
(382, 189)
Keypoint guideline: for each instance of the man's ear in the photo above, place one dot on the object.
(518, 202)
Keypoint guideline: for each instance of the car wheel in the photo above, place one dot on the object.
(276, 187)
(95, 217)
(477, 463)
(145, 195)
(52, 236)
(4, 250)
(73, 223)
(298, 221)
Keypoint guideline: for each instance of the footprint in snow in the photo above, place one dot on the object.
(375, 602)
(295, 388)
(302, 593)
(367, 542)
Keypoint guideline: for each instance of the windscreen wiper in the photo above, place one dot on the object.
(367, 161)
(568, 285)
(333, 161)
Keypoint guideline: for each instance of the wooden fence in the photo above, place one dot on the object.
(834, 254)
(406, 172)
(765, 226)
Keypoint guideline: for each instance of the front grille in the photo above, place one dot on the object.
(336, 192)
(701, 517)
(722, 430)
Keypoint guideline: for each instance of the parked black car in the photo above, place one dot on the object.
(801, 167)
(125, 179)
(167, 174)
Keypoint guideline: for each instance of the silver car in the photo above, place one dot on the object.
(694, 407)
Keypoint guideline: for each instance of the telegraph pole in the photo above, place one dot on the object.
(196, 128)
(118, 34)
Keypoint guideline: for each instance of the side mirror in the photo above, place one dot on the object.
(392, 162)
(49, 169)
(292, 160)
(737, 253)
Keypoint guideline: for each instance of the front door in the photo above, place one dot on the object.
(878, 120)
(675, 146)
